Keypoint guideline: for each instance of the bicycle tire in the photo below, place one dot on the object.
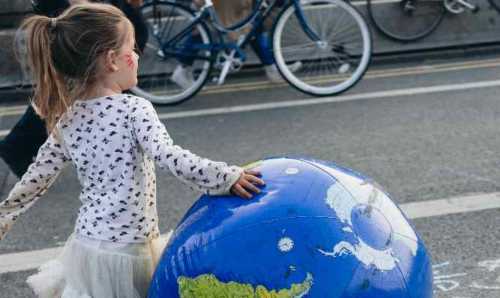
(404, 24)
(332, 52)
(157, 84)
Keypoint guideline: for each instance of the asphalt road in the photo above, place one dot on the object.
(424, 129)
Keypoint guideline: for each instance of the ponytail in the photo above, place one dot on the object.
(51, 95)
(63, 54)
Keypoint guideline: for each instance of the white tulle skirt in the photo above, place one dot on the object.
(90, 268)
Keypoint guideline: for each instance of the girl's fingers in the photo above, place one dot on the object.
(249, 186)
(241, 192)
(254, 176)
(253, 172)
(255, 179)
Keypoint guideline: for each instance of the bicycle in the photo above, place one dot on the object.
(412, 20)
(328, 38)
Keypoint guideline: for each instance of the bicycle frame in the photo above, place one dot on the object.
(256, 19)
(189, 44)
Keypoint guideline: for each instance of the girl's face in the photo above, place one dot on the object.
(128, 61)
(125, 63)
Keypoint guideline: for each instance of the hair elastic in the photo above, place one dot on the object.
(53, 22)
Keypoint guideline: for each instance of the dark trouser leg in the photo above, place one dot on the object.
(189, 49)
(21, 145)
(262, 47)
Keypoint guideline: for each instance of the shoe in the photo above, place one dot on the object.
(183, 77)
(296, 66)
(160, 53)
(344, 68)
(273, 74)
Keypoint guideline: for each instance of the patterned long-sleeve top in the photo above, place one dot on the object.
(114, 143)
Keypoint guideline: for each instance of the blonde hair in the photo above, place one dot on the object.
(63, 54)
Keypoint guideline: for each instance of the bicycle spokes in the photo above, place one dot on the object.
(178, 57)
(406, 20)
(330, 40)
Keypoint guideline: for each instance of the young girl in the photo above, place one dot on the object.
(81, 62)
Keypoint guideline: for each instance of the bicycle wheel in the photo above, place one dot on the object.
(177, 59)
(330, 65)
(406, 20)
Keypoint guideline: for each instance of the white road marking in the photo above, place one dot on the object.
(452, 206)
(404, 93)
(29, 260)
(437, 277)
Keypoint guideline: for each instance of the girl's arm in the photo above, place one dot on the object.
(202, 174)
(51, 159)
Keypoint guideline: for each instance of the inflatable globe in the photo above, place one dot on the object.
(316, 230)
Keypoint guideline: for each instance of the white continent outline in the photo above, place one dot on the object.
(343, 202)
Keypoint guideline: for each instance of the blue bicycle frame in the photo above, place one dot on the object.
(171, 47)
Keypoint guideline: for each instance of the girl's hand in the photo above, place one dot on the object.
(246, 184)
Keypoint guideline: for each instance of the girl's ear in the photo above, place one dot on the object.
(111, 61)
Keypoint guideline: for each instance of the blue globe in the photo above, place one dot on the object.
(316, 230)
